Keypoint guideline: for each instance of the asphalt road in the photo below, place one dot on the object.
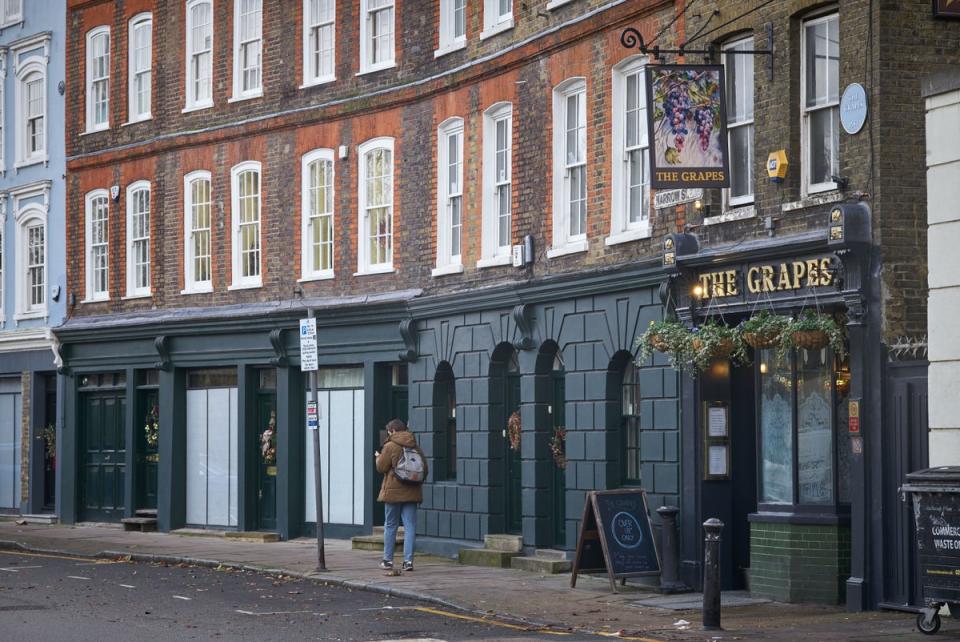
(49, 597)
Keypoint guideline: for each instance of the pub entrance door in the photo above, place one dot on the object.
(103, 448)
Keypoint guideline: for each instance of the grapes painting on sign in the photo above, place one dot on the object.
(687, 126)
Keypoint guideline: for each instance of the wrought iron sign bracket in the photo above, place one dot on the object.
(631, 38)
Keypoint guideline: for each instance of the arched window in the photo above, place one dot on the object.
(199, 54)
(140, 60)
(97, 245)
(630, 413)
(197, 226)
(316, 204)
(375, 252)
(98, 79)
(31, 114)
(445, 424)
(245, 194)
(32, 263)
(138, 239)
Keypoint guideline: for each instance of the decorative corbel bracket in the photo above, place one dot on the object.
(57, 348)
(523, 317)
(280, 357)
(408, 331)
(162, 344)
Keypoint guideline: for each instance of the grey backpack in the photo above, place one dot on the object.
(409, 468)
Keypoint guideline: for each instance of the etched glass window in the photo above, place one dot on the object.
(776, 427)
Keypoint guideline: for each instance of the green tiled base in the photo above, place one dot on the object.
(799, 563)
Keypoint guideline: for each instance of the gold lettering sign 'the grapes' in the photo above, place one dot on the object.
(775, 277)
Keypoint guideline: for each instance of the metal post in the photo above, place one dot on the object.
(317, 485)
(711, 574)
(669, 574)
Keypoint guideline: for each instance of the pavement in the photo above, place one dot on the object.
(545, 602)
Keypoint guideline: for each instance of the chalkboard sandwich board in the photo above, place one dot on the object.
(616, 537)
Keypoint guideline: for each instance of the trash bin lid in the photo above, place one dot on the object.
(938, 475)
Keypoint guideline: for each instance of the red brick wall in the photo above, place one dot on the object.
(279, 128)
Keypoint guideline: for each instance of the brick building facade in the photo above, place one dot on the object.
(386, 179)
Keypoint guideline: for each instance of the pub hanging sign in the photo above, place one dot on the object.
(686, 119)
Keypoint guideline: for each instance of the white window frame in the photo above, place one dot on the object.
(367, 35)
(139, 21)
(805, 112)
(27, 218)
(730, 201)
(190, 93)
(563, 241)
(496, 20)
(449, 39)
(8, 17)
(249, 281)
(92, 125)
(190, 282)
(311, 73)
(491, 252)
(89, 270)
(447, 261)
(363, 261)
(239, 93)
(133, 290)
(24, 156)
(308, 217)
(3, 258)
(622, 229)
(3, 113)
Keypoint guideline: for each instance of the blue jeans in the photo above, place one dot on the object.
(393, 512)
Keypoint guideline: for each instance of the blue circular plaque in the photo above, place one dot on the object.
(853, 108)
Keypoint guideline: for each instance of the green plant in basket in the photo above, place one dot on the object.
(764, 330)
(715, 341)
(814, 331)
(669, 337)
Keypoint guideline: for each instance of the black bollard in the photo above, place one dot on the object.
(670, 573)
(711, 574)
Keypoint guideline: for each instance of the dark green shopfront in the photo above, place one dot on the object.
(524, 397)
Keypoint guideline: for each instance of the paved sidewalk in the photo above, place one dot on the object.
(542, 601)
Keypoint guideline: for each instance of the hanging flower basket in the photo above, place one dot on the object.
(715, 341)
(514, 430)
(815, 332)
(670, 337)
(558, 447)
(764, 330)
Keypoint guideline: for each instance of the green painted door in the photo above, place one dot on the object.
(103, 456)
(558, 480)
(267, 457)
(148, 455)
(512, 484)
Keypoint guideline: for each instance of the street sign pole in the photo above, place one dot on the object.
(313, 422)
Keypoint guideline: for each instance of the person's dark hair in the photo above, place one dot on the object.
(396, 425)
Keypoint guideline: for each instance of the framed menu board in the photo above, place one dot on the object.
(716, 440)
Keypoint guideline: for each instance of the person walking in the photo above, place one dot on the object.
(400, 497)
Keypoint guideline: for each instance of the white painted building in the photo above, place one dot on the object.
(942, 95)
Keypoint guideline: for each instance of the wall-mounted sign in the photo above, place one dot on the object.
(308, 345)
(687, 126)
(946, 8)
(670, 197)
(853, 416)
(766, 278)
(853, 107)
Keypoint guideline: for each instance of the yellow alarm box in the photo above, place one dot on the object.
(777, 166)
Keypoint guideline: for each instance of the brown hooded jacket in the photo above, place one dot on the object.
(393, 490)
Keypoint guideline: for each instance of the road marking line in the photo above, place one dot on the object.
(608, 634)
(182, 597)
(56, 557)
(243, 612)
(128, 586)
(480, 620)
(18, 569)
(77, 577)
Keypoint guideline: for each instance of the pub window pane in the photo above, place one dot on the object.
(814, 427)
(776, 428)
